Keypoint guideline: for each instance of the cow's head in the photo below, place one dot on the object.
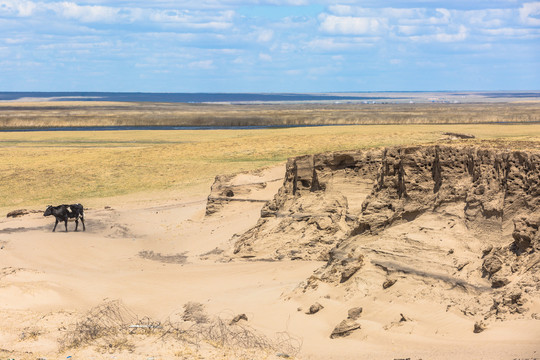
(48, 211)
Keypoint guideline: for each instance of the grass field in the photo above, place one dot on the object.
(40, 168)
(60, 114)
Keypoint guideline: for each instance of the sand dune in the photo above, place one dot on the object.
(156, 256)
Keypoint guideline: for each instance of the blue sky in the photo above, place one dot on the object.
(269, 45)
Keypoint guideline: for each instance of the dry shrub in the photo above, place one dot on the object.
(170, 259)
(112, 328)
(105, 325)
(220, 334)
(30, 334)
(194, 311)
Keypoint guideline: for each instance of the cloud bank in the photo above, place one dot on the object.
(268, 45)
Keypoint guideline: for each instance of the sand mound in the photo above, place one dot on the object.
(245, 187)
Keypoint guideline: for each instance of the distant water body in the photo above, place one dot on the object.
(368, 97)
(451, 97)
(114, 128)
(174, 97)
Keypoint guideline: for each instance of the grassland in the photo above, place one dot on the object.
(40, 168)
(61, 114)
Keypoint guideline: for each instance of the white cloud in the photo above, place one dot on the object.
(443, 17)
(86, 13)
(17, 40)
(196, 19)
(265, 57)
(202, 64)
(459, 36)
(168, 36)
(26, 8)
(429, 25)
(286, 47)
(408, 29)
(265, 35)
(488, 18)
(79, 44)
(419, 24)
(442, 36)
(294, 72)
(513, 33)
(17, 7)
(398, 15)
(240, 61)
(348, 25)
(339, 44)
(403, 14)
(328, 44)
(286, 2)
(204, 36)
(341, 10)
(64, 9)
(530, 13)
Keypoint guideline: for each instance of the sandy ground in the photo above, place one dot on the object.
(157, 255)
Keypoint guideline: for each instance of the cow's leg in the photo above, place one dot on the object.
(65, 221)
(56, 223)
(82, 220)
(76, 223)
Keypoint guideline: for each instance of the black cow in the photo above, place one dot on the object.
(65, 212)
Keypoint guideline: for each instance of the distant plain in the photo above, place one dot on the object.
(40, 167)
(17, 115)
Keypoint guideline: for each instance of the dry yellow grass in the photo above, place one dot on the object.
(61, 114)
(40, 168)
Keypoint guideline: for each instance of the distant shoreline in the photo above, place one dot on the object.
(180, 128)
(276, 98)
(209, 128)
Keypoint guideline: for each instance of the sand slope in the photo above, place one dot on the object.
(156, 256)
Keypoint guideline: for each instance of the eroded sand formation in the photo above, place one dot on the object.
(413, 252)
(461, 223)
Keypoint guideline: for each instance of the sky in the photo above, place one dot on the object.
(269, 45)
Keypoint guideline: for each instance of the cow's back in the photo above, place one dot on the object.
(76, 210)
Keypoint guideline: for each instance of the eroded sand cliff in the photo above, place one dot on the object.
(460, 223)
